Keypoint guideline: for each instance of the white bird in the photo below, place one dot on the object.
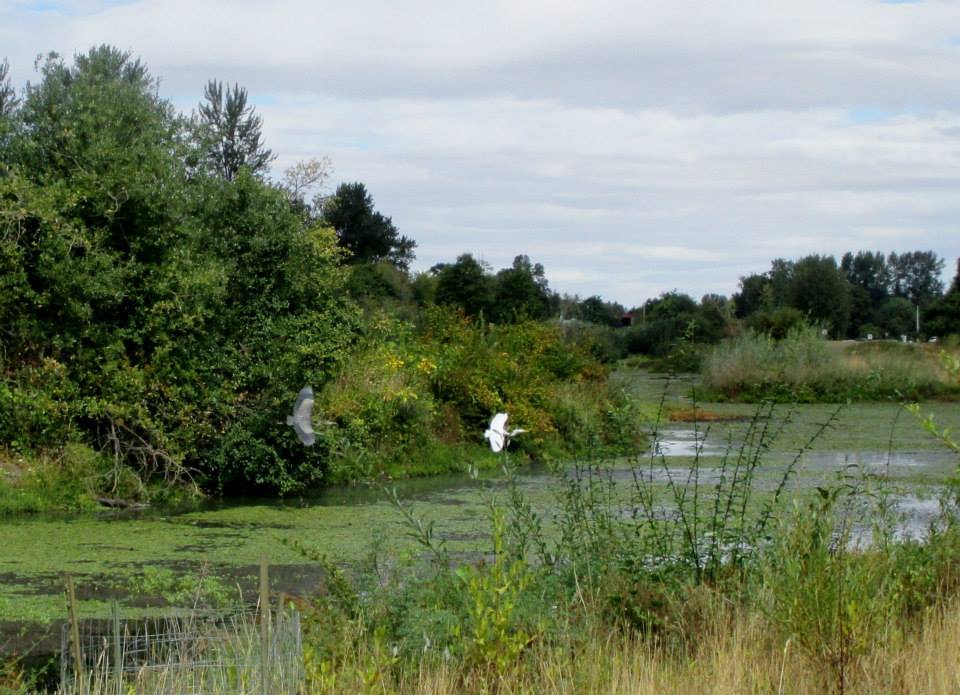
(497, 434)
(302, 418)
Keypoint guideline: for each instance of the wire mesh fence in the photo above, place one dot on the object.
(185, 653)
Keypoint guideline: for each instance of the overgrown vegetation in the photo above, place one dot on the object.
(653, 581)
(802, 367)
(415, 402)
(656, 566)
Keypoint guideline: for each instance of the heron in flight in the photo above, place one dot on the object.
(302, 418)
(497, 433)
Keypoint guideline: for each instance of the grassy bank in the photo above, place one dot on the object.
(732, 653)
(805, 368)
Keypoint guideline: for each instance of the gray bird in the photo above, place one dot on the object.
(302, 418)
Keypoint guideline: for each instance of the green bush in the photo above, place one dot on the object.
(65, 480)
(605, 344)
(778, 323)
(416, 398)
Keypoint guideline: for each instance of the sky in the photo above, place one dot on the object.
(631, 147)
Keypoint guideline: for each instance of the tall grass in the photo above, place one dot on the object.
(649, 579)
(735, 652)
(804, 368)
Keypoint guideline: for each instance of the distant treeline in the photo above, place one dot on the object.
(868, 293)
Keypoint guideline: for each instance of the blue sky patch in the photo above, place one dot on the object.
(873, 114)
(44, 7)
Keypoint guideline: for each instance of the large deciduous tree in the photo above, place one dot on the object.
(96, 168)
(916, 276)
(820, 290)
(869, 278)
(166, 317)
(465, 284)
(521, 292)
(750, 298)
(869, 270)
(594, 310)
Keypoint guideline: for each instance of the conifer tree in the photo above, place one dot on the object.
(230, 132)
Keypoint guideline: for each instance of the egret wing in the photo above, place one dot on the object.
(496, 439)
(499, 423)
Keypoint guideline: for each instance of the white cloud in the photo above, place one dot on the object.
(631, 147)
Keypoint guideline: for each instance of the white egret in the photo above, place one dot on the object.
(302, 418)
(497, 433)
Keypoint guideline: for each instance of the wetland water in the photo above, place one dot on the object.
(107, 551)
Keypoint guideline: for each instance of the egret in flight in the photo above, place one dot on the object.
(497, 433)
(302, 418)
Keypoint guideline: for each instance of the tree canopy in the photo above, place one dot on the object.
(230, 132)
(369, 236)
(521, 292)
(465, 284)
(854, 300)
(152, 311)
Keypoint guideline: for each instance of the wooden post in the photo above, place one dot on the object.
(117, 646)
(265, 624)
(74, 634)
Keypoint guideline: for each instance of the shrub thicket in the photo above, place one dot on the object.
(415, 394)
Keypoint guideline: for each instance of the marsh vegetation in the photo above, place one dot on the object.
(732, 559)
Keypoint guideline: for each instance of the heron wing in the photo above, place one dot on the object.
(303, 409)
(305, 433)
(302, 418)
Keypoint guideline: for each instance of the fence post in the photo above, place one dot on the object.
(74, 633)
(265, 625)
(117, 647)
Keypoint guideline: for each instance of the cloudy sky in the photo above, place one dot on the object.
(632, 147)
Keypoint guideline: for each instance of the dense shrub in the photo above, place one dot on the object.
(777, 323)
(604, 343)
(414, 385)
